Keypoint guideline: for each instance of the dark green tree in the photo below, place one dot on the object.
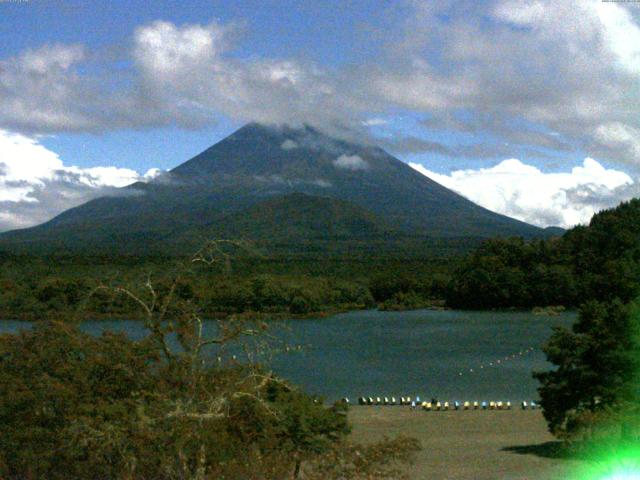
(597, 367)
(306, 430)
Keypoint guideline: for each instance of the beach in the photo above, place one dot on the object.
(469, 445)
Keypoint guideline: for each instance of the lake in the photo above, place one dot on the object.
(445, 354)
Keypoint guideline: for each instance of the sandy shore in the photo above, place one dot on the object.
(470, 445)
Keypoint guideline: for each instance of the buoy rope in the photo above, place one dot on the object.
(498, 362)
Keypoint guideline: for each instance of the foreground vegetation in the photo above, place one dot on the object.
(594, 391)
(591, 399)
(77, 406)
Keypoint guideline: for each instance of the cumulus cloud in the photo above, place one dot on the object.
(39, 90)
(179, 75)
(619, 138)
(35, 184)
(523, 191)
(187, 72)
(281, 181)
(499, 66)
(351, 162)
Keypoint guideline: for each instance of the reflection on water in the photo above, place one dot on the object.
(403, 353)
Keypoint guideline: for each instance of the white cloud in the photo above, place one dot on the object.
(49, 58)
(162, 47)
(525, 192)
(39, 90)
(288, 144)
(373, 122)
(187, 75)
(351, 162)
(619, 137)
(498, 65)
(511, 69)
(36, 185)
(152, 174)
(621, 34)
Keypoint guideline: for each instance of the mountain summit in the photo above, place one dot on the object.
(241, 186)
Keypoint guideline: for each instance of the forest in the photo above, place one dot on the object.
(63, 286)
(600, 261)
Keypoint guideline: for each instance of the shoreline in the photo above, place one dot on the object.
(271, 316)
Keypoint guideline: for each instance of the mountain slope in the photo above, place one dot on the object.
(284, 160)
(258, 163)
(301, 216)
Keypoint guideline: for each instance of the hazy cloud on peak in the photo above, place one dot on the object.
(351, 162)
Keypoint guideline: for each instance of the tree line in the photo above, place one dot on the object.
(600, 261)
(31, 288)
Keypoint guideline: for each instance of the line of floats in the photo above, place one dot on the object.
(498, 362)
(436, 405)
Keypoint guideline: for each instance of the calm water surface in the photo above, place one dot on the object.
(404, 353)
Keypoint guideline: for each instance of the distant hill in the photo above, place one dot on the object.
(272, 184)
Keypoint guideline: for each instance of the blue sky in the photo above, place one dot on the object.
(329, 32)
(332, 33)
(110, 90)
